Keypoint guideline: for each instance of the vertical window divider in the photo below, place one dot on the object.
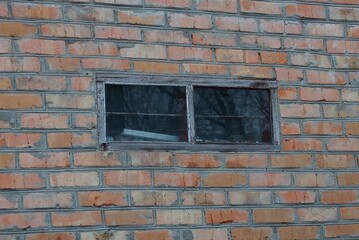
(190, 114)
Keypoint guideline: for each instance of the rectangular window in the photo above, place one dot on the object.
(187, 114)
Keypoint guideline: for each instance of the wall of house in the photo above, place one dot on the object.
(55, 183)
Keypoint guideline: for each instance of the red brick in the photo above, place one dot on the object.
(48, 200)
(236, 24)
(272, 179)
(40, 83)
(290, 128)
(214, 39)
(291, 161)
(85, 120)
(287, 93)
(70, 101)
(255, 57)
(224, 216)
(217, 5)
(153, 235)
(129, 217)
(154, 198)
(20, 140)
(295, 197)
(249, 6)
(122, 33)
(229, 55)
(355, 2)
(224, 180)
(341, 13)
(189, 53)
(296, 110)
(127, 178)
(312, 60)
(21, 181)
(44, 121)
(166, 36)
(250, 198)
(205, 234)
(203, 198)
(51, 236)
(303, 43)
(76, 219)
(5, 83)
(63, 64)
(325, 77)
(44, 160)
(9, 201)
(179, 20)
(339, 196)
(317, 214)
(349, 213)
(322, 128)
(276, 215)
(325, 29)
(37, 11)
(197, 160)
(334, 161)
(100, 159)
(144, 51)
(172, 3)
(17, 29)
(97, 14)
(74, 179)
(298, 232)
(179, 217)
(343, 144)
(141, 18)
(92, 48)
(19, 64)
(246, 160)
(102, 198)
(289, 75)
(207, 69)
(353, 31)
(252, 72)
(65, 30)
(346, 62)
(260, 233)
(314, 179)
(260, 41)
(155, 67)
(303, 144)
(176, 179)
(305, 11)
(108, 64)
(348, 179)
(351, 230)
(70, 140)
(144, 158)
(22, 221)
(7, 160)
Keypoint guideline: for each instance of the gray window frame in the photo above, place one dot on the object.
(188, 82)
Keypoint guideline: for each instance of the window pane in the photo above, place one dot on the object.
(146, 113)
(232, 115)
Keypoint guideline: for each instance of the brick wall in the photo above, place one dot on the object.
(56, 184)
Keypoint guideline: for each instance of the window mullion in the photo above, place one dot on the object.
(190, 114)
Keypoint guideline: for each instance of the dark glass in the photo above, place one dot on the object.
(232, 115)
(146, 113)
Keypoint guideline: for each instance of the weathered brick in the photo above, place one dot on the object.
(324, 29)
(296, 110)
(260, 41)
(92, 48)
(107, 64)
(272, 179)
(317, 214)
(309, 59)
(166, 36)
(174, 179)
(71, 140)
(171, 3)
(334, 161)
(4, 11)
(246, 233)
(70, 101)
(120, 2)
(74, 179)
(252, 72)
(346, 62)
(204, 234)
(144, 158)
(179, 20)
(81, 84)
(63, 64)
(20, 140)
(44, 160)
(44, 121)
(290, 128)
(339, 46)
(154, 198)
(85, 120)
(343, 144)
(48, 200)
(325, 77)
(217, 5)
(207, 69)
(7, 120)
(276, 215)
(189, 53)
(197, 160)
(144, 51)
(76, 219)
(353, 31)
(51, 236)
(250, 198)
(341, 111)
(122, 33)
(141, 18)
(236, 24)
(22, 220)
(37, 11)
(21, 181)
(203, 198)
(229, 55)
(303, 43)
(96, 14)
(224, 216)
(5, 46)
(105, 234)
(278, 26)
(153, 235)
(19, 64)
(299, 232)
(40, 83)
(291, 161)
(250, 6)
(156, 67)
(65, 30)
(91, 159)
(288, 93)
(9, 201)
(341, 13)
(179, 217)
(339, 196)
(5, 83)
(305, 11)
(214, 39)
(102, 198)
(246, 160)
(322, 128)
(7, 160)
(289, 74)
(295, 197)
(127, 178)
(129, 217)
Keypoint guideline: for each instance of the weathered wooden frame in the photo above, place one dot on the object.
(187, 82)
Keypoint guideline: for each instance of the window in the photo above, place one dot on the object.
(154, 112)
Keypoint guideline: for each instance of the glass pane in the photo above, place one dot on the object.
(146, 113)
(232, 115)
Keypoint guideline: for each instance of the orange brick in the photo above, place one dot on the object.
(189, 53)
(348, 179)
(302, 144)
(252, 72)
(295, 197)
(81, 84)
(44, 121)
(154, 198)
(305, 232)
(144, 158)
(214, 39)
(322, 128)
(291, 161)
(65, 30)
(203, 198)
(70, 101)
(339, 196)
(153, 235)
(5, 83)
(349, 213)
(117, 33)
(91, 48)
(22, 220)
(289, 75)
(70, 140)
(250, 6)
(175, 179)
(246, 160)
(224, 216)
(179, 217)
(165, 3)
(236, 24)
(40, 83)
(287, 93)
(251, 233)
(7, 160)
(290, 128)
(355, 2)
(250, 198)
(44, 160)
(179, 20)
(144, 51)
(76, 219)
(51, 236)
(102, 198)
(96, 14)
(142, 18)
(351, 230)
(129, 217)
(17, 64)
(21, 181)
(217, 5)
(269, 179)
(20, 140)
(276, 215)
(317, 214)
(261, 41)
(17, 29)
(155, 67)
(20, 101)
(84, 120)
(198, 160)
(37, 11)
(208, 69)
(224, 180)
(74, 179)
(63, 64)
(48, 200)
(334, 161)
(229, 55)
(305, 11)
(103, 159)
(127, 178)
(326, 77)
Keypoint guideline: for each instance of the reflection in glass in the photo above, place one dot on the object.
(146, 113)
(232, 115)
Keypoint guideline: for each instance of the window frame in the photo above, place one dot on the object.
(188, 82)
